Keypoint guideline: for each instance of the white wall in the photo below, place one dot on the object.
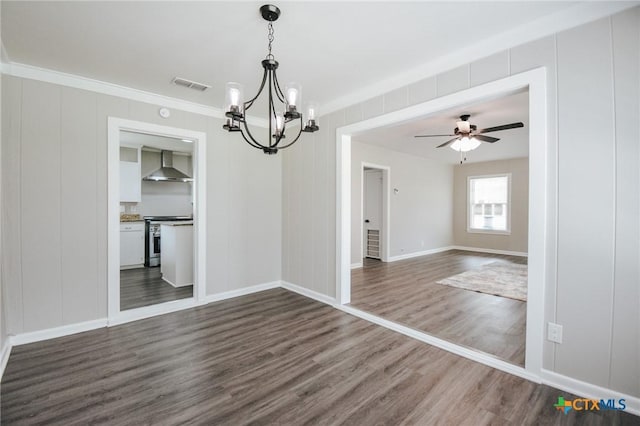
(421, 211)
(594, 190)
(517, 239)
(3, 323)
(54, 169)
(166, 198)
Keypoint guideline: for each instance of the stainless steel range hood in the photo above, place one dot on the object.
(166, 173)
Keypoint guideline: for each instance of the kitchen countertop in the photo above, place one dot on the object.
(178, 223)
(130, 217)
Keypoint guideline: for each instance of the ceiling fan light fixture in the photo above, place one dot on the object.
(465, 144)
(463, 126)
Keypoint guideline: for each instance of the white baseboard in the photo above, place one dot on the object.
(6, 351)
(587, 390)
(419, 253)
(52, 333)
(442, 344)
(133, 315)
(174, 285)
(446, 248)
(331, 301)
(547, 377)
(152, 311)
(240, 292)
(491, 251)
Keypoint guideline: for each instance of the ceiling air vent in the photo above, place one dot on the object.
(190, 84)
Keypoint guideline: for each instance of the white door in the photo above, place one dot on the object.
(372, 213)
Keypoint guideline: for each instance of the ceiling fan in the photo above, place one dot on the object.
(468, 137)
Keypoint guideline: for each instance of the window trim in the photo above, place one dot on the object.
(471, 230)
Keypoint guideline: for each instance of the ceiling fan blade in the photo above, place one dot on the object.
(430, 136)
(486, 138)
(503, 127)
(447, 142)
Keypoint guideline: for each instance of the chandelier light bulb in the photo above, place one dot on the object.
(278, 123)
(233, 98)
(292, 95)
(311, 111)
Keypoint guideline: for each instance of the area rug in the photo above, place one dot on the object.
(500, 279)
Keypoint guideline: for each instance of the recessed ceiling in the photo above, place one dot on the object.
(513, 143)
(331, 48)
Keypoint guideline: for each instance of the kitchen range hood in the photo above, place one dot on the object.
(166, 173)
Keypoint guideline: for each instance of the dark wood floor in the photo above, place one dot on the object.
(406, 292)
(269, 358)
(144, 287)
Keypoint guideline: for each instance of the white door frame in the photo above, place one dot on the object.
(115, 125)
(385, 228)
(539, 215)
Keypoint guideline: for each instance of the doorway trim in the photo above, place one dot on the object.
(114, 126)
(535, 81)
(386, 209)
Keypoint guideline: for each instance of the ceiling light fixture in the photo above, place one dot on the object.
(282, 108)
(465, 144)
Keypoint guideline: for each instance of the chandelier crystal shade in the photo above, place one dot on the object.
(283, 106)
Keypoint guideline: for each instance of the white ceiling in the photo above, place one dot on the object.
(513, 143)
(332, 48)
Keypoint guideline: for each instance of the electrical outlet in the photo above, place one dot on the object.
(554, 332)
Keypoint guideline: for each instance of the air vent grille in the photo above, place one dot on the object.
(190, 84)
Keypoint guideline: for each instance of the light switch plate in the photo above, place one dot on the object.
(554, 332)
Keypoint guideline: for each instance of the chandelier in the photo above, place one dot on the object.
(283, 107)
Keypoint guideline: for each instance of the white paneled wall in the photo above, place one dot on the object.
(594, 190)
(3, 323)
(586, 181)
(54, 196)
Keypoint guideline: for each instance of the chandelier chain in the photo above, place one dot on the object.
(270, 40)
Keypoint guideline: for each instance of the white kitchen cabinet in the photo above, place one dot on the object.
(131, 245)
(176, 253)
(130, 175)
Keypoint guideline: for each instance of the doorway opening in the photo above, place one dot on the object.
(458, 266)
(535, 82)
(373, 221)
(157, 261)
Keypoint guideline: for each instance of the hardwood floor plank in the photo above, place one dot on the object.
(144, 287)
(407, 292)
(268, 358)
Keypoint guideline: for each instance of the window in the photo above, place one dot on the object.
(489, 204)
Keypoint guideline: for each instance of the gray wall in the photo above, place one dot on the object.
(422, 209)
(517, 239)
(54, 166)
(594, 188)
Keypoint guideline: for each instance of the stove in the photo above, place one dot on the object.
(152, 237)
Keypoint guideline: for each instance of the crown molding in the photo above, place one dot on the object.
(568, 18)
(97, 86)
